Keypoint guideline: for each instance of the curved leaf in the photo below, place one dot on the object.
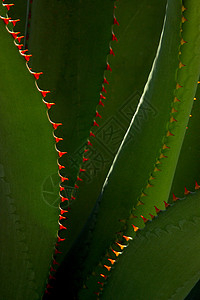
(28, 157)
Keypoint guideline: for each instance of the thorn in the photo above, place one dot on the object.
(116, 252)
(183, 8)
(19, 38)
(103, 89)
(82, 170)
(76, 186)
(172, 120)
(89, 143)
(178, 86)
(115, 21)
(182, 41)
(144, 219)
(62, 188)
(60, 153)
(61, 227)
(176, 100)
(48, 104)
(61, 217)
(105, 81)
(127, 238)
(95, 123)
(101, 103)
(52, 269)
(186, 191)
(108, 67)
(55, 262)
(92, 134)
(173, 110)
(102, 97)
(14, 34)
(114, 37)
(174, 197)
(107, 267)
(166, 204)
(44, 93)
(55, 125)
(157, 209)
(56, 251)
(156, 169)
(135, 228)
(6, 20)
(142, 195)
(63, 199)
(19, 46)
(112, 52)
(149, 185)
(85, 159)
(181, 65)
(57, 139)
(165, 147)
(162, 156)
(112, 261)
(79, 179)
(197, 186)
(8, 6)
(169, 133)
(37, 75)
(140, 202)
(63, 178)
(73, 198)
(62, 211)
(152, 216)
(121, 246)
(61, 167)
(14, 21)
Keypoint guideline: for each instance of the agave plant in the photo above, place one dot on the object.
(99, 152)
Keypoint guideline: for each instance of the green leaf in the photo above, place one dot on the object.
(162, 261)
(135, 186)
(70, 46)
(187, 170)
(29, 223)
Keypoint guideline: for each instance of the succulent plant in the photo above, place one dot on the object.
(99, 152)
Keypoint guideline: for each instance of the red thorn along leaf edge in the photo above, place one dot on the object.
(17, 40)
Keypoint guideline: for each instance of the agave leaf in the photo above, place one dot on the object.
(162, 261)
(145, 186)
(70, 46)
(28, 158)
(20, 11)
(123, 93)
(187, 171)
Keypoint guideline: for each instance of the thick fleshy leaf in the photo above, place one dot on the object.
(149, 161)
(29, 221)
(69, 41)
(162, 262)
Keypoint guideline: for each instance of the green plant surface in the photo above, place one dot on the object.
(117, 111)
(73, 59)
(148, 151)
(28, 157)
(163, 249)
(19, 12)
(129, 152)
(187, 171)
